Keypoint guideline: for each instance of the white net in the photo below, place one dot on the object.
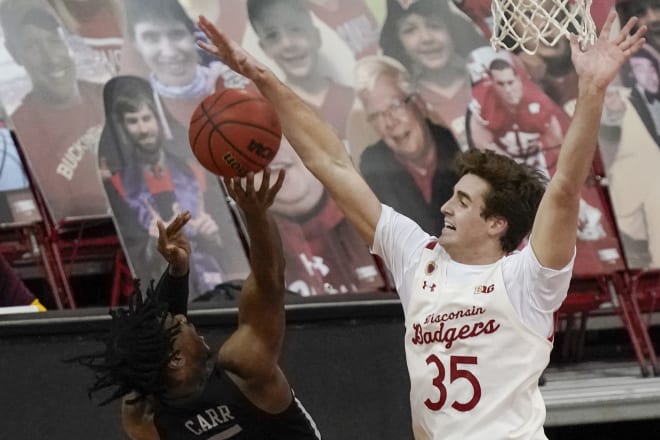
(526, 24)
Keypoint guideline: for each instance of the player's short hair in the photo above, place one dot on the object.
(368, 69)
(138, 348)
(15, 15)
(138, 11)
(257, 10)
(515, 191)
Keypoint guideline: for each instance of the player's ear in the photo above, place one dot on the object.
(498, 225)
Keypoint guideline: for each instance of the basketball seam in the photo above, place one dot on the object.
(248, 124)
(203, 113)
(210, 116)
(207, 113)
(218, 97)
(237, 150)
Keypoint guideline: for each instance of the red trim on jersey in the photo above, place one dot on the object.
(551, 338)
(432, 245)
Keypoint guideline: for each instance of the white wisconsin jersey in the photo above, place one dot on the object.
(474, 366)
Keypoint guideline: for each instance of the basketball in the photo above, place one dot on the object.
(233, 132)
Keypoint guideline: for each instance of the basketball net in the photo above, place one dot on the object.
(526, 24)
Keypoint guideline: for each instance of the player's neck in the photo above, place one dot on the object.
(487, 253)
(185, 387)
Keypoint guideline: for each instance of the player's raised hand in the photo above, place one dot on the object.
(229, 52)
(598, 64)
(254, 201)
(173, 245)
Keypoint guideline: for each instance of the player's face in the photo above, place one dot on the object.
(290, 39)
(301, 191)
(168, 49)
(426, 40)
(190, 345)
(648, 12)
(645, 73)
(508, 86)
(397, 118)
(143, 129)
(47, 60)
(465, 228)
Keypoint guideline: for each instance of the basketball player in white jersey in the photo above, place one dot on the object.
(479, 317)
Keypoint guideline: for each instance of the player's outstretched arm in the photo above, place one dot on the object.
(175, 249)
(316, 142)
(554, 232)
(252, 352)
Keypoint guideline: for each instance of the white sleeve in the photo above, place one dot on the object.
(536, 292)
(399, 241)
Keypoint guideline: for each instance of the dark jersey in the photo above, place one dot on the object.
(223, 412)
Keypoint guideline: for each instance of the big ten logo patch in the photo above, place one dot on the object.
(484, 289)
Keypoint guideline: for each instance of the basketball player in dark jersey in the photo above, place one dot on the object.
(171, 384)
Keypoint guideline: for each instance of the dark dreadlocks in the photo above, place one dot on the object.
(137, 349)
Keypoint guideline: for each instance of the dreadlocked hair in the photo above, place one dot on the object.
(137, 349)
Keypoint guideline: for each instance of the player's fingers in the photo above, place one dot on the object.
(265, 181)
(276, 186)
(210, 48)
(179, 221)
(635, 47)
(625, 31)
(637, 36)
(607, 26)
(162, 234)
(208, 28)
(249, 184)
(238, 186)
(229, 184)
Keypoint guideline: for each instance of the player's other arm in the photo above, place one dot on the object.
(316, 142)
(175, 249)
(555, 227)
(252, 352)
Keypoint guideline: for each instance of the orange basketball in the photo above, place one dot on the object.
(233, 132)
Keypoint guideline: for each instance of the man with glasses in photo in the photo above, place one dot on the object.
(410, 167)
